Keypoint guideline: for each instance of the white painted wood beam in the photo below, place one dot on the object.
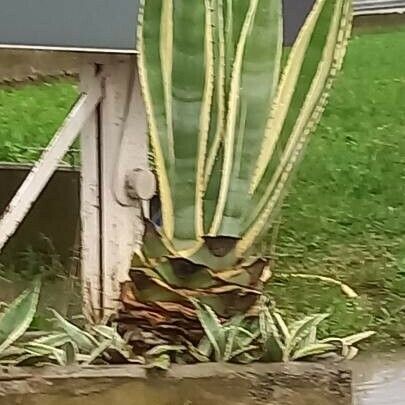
(90, 249)
(46, 166)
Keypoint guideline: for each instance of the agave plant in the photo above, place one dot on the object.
(64, 345)
(17, 317)
(232, 341)
(298, 340)
(268, 337)
(227, 128)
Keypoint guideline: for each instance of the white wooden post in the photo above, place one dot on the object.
(111, 118)
(112, 226)
(91, 281)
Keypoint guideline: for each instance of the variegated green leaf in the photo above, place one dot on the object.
(243, 350)
(301, 329)
(70, 350)
(273, 343)
(84, 340)
(17, 318)
(254, 81)
(161, 362)
(205, 347)
(161, 349)
(98, 351)
(358, 337)
(312, 350)
(151, 78)
(298, 106)
(352, 353)
(212, 328)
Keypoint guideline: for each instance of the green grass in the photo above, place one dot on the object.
(30, 115)
(345, 215)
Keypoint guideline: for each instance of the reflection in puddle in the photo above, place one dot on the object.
(380, 380)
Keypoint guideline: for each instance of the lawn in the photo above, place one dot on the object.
(29, 116)
(345, 214)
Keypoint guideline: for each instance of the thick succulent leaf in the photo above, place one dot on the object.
(346, 289)
(213, 184)
(162, 362)
(231, 119)
(201, 355)
(70, 350)
(298, 107)
(230, 300)
(151, 78)
(212, 328)
(53, 340)
(260, 46)
(310, 339)
(243, 350)
(351, 353)
(205, 347)
(155, 245)
(253, 275)
(301, 329)
(11, 352)
(84, 340)
(282, 326)
(232, 329)
(358, 337)
(40, 349)
(218, 108)
(226, 300)
(312, 350)
(350, 340)
(182, 273)
(17, 318)
(230, 342)
(105, 332)
(98, 351)
(205, 257)
(248, 358)
(243, 342)
(149, 288)
(25, 359)
(192, 88)
(272, 341)
(161, 349)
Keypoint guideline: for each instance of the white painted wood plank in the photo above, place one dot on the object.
(90, 207)
(45, 167)
(133, 152)
(122, 226)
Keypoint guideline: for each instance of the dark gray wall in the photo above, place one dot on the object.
(69, 23)
(95, 24)
(295, 12)
(55, 214)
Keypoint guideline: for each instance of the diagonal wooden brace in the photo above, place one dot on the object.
(43, 170)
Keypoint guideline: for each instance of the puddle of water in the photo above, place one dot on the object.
(380, 380)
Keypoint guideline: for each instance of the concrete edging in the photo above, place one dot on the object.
(203, 384)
